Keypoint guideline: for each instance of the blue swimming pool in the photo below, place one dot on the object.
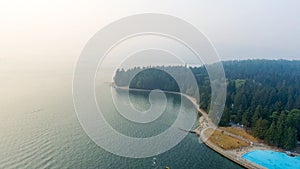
(271, 159)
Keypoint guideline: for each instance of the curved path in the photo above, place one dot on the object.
(205, 124)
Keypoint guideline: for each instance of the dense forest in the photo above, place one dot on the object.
(262, 95)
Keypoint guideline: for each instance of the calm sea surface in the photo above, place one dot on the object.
(39, 129)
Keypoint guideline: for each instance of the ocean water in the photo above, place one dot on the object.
(39, 129)
(271, 159)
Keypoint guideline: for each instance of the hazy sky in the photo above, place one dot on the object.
(50, 33)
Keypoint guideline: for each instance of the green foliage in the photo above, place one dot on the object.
(154, 79)
(263, 95)
(260, 127)
(246, 118)
(291, 140)
(271, 135)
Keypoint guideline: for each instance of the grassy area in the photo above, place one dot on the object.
(225, 141)
(239, 132)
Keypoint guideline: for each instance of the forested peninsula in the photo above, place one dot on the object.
(263, 96)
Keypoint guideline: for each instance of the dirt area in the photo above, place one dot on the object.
(225, 141)
(240, 132)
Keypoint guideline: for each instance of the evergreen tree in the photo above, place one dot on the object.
(260, 128)
(271, 135)
(246, 119)
(291, 140)
(281, 125)
(256, 115)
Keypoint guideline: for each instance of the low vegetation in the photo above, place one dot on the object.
(225, 141)
(240, 132)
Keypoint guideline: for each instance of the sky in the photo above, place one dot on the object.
(39, 34)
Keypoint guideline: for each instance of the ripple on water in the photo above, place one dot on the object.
(26, 147)
(53, 138)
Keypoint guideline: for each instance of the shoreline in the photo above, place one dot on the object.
(235, 155)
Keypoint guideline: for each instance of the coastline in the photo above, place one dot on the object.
(205, 124)
(233, 156)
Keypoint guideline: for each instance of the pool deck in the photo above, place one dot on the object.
(239, 160)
